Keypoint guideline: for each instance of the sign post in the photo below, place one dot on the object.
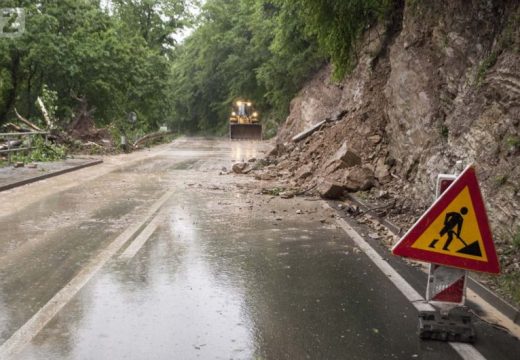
(446, 288)
(454, 236)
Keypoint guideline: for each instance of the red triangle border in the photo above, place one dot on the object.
(404, 246)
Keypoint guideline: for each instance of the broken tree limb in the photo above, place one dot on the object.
(308, 132)
(44, 112)
(305, 133)
(15, 127)
(151, 136)
(26, 122)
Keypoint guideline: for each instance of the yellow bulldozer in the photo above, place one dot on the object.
(244, 122)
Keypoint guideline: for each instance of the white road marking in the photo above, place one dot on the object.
(37, 322)
(140, 240)
(466, 351)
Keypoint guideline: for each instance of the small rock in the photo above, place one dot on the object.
(264, 176)
(340, 206)
(304, 172)
(353, 209)
(18, 164)
(382, 171)
(382, 194)
(374, 236)
(298, 211)
(224, 169)
(375, 139)
(252, 160)
(32, 166)
(287, 194)
(239, 168)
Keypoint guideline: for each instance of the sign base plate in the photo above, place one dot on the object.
(456, 326)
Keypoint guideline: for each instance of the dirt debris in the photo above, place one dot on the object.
(408, 113)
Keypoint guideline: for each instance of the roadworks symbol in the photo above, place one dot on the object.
(455, 231)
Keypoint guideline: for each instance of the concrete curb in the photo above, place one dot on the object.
(48, 175)
(485, 293)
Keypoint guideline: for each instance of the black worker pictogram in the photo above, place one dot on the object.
(453, 222)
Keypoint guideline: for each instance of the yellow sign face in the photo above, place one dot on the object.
(455, 231)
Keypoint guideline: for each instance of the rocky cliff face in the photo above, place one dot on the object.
(441, 85)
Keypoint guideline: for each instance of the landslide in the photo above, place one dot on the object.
(438, 83)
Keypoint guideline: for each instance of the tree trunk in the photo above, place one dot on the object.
(11, 95)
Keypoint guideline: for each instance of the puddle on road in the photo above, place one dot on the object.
(211, 284)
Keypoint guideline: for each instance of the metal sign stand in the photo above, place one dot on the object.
(446, 291)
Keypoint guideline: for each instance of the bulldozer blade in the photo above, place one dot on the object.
(245, 132)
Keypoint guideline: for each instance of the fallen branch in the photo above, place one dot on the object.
(91, 143)
(45, 113)
(15, 127)
(151, 136)
(306, 133)
(26, 122)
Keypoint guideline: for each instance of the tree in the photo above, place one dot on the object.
(242, 48)
(92, 58)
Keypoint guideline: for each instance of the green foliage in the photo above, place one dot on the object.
(83, 57)
(510, 283)
(116, 59)
(242, 48)
(263, 50)
(509, 38)
(50, 99)
(274, 191)
(501, 180)
(338, 26)
(485, 65)
(513, 141)
(516, 239)
(42, 151)
(444, 131)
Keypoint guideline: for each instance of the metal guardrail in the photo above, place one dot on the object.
(14, 136)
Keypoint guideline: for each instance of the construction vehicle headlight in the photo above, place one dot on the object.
(248, 104)
(239, 103)
(233, 114)
(255, 114)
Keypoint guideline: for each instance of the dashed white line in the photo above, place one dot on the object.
(140, 240)
(39, 320)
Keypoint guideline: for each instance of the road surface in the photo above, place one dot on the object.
(154, 255)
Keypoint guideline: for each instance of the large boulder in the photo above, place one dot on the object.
(358, 179)
(330, 189)
(343, 158)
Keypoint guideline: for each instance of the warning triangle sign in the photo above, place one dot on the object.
(454, 231)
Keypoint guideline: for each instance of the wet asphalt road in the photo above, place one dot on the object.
(219, 272)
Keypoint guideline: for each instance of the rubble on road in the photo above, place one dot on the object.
(239, 168)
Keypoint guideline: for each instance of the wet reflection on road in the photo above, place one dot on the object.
(213, 282)
(229, 274)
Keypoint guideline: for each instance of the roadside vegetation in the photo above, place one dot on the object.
(264, 51)
(93, 62)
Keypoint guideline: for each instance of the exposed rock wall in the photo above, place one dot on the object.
(443, 84)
